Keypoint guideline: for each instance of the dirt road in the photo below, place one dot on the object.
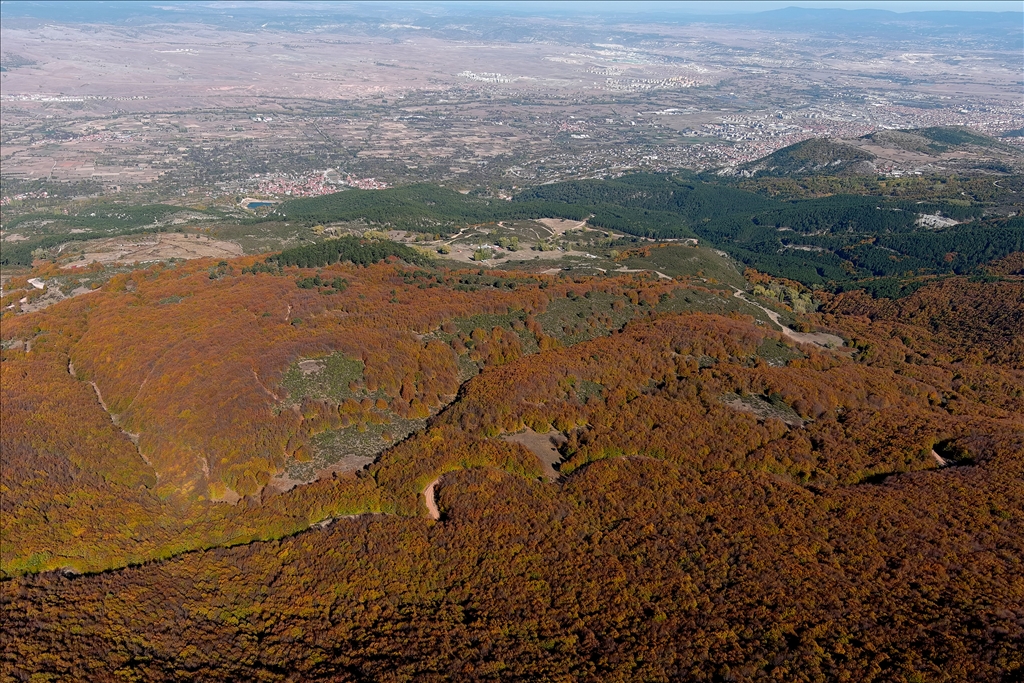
(822, 339)
(428, 496)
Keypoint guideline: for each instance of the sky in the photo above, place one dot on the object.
(82, 11)
(691, 7)
(744, 6)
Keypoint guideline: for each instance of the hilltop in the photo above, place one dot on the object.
(713, 472)
(947, 149)
(817, 155)
(503, 421)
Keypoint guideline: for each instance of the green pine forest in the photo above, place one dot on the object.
(838, 242)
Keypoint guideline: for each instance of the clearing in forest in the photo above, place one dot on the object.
(153, 247)
(560, 225)
(544, 446)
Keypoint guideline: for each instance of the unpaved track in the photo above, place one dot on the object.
(260, 382)
(134, 438)
(428, 496)
(559, 226)
(822, 339)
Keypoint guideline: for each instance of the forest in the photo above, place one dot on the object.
(729, 504)
(831, 233)
(811, 470)
(179, 367)
(347, 249)
(421, 207)
(836, 242)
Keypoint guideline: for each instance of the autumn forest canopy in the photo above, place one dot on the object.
(416, 342)
(791, 451)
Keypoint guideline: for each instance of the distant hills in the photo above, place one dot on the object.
(817, 155)
(935, 140)
(1000, 30)
(939, 148)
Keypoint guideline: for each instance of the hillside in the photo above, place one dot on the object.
(791, 443)
(817, 155)
(421, 208)
(933, 141)
(838, 241)
(813, 505)
(526, 342)
(176, 384)
(941, 149)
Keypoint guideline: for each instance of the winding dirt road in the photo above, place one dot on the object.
(428, 496)
(822, 339)
(134, 438)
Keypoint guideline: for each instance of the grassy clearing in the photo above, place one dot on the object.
(673, 260)
(533, 262)
(259, 238)
(695, 301)
(676, 260)
(334, 377)
(488, 321)
(776, 353)
(580, 318)
(586, 388)
(721, 303)
(47, 232)
(527, 232)
(353, 447)
(337, 377)
(66, 284)
(589, 264)
(764, 407)
(467, 368)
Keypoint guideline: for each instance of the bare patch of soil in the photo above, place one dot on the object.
(280, 484)
(544, 446)
(53, 295)
(346, 465)
(561, 225)
(466, 253)
(227, 496)
(155, 247)
(310, 367)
